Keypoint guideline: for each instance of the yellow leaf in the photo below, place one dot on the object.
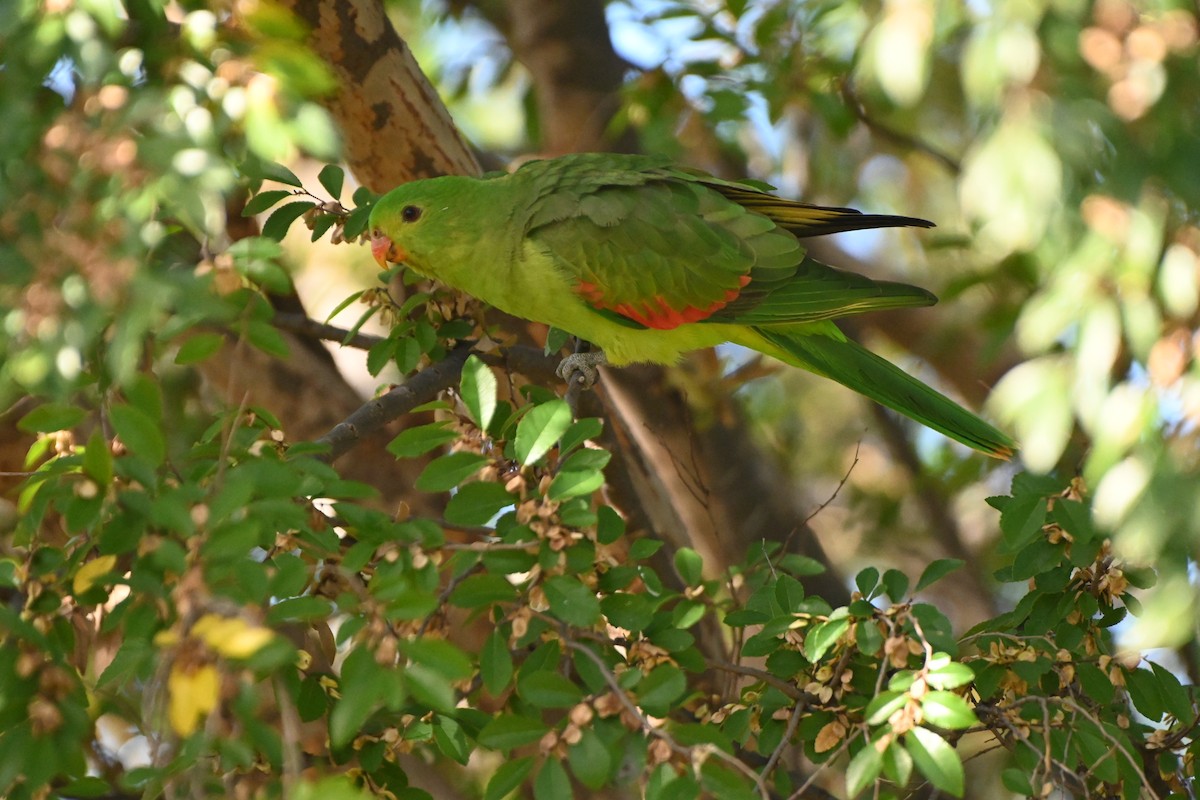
(829, 736)
(168, 637)
(86, 576)
(192, 696)
(232, 637)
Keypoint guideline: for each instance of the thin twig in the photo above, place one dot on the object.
(894, 136)
(787, 542)
(777, 753)
(791, 691)
(299, 323)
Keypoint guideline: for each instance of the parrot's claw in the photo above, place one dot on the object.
(581, 369)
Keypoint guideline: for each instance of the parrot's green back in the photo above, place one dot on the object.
(648, 261)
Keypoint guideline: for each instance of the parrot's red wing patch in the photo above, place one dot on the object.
(656, 312)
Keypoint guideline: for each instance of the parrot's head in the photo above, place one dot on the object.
(412, 224)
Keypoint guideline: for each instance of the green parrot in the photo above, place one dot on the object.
(647, 260)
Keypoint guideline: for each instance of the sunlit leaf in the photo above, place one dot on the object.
(539, 429)
(936, 760)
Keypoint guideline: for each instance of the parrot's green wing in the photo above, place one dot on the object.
(662, 247)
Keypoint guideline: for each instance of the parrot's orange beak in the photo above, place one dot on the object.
(385, 251)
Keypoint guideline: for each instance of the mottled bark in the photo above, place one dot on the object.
(395, 126)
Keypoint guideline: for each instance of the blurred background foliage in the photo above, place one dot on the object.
(1056, 144)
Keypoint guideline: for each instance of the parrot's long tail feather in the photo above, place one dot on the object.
(853, 366)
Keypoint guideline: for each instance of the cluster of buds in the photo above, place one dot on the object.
(1104, 578)
(555, 743)
(54, 683)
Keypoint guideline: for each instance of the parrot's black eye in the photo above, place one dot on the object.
(410, 213)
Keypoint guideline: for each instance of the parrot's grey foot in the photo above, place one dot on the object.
(581, 369)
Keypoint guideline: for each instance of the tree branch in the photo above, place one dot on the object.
(377, 412)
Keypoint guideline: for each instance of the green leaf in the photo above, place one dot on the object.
(580, 474)
(1175, 697)
(574, 484)
(883, 705)
(895, 583)
(265, 337)
(552, 782)
(579, 432)
(1022, 517)
(440, 655)
(265, 274)
(824, 636)
(271, 171)
(450, 739)
(591, 760)
(381, 354)
(476, 591)
(128, 663)
(1146, 693)
(936, 760)
(897, 764)
(571, 601)
(337, 787)
(477, 388)
(430, 687)
(1018, 781)
(687, 613)
(331, 177)
(938, 570)
(321, 225)
(255, 247)
(198, 347)
(556, 339)
(863, 769)
(866, 581)
(98, 459)
(496, 663)
(138, 432)
(644, 548)
(868, 638)
(51, 417)
(360, 696)
(689, 565)
(1095, 682)
(546, 689)
(276, 226)
(356, 223)
(633, 612)
(1075, 518)
(661, 687)
(448, 471)
(87, 786)
(344, 304)
(477, 504)
(539, 429)
(950, 676)
(419, 440)
(511, 730)
(264, 200)
(300, 608)
(947, 710)
(721, 781)
(508, 776)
